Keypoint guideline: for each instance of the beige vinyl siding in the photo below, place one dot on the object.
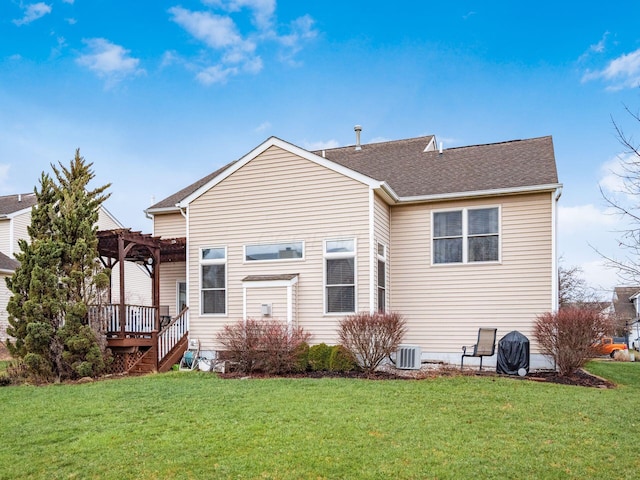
(169, 225)
(382, 216)
(446, 304)
(276, 296)
(279, 197)
(170, 275)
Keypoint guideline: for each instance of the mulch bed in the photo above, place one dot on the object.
(580, 378)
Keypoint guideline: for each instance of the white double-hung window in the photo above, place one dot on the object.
(466, 235)
(213, 280)
(340, 276)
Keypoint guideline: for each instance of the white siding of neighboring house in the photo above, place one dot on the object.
(5, 236)
(5, 294)
(169, 225)
(170, 274)
(20, 224)
(278, 197)
(446, 304)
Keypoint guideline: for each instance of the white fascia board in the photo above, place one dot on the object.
(276, 142)
(269, 283)
(161, 210)
(480, 193)
(6, 272)
(18, 212)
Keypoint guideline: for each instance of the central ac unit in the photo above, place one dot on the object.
(408, 357)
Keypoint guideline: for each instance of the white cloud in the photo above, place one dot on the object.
(109, 60)
(321, 145)
(71, 21)
(215, 74)
(301, 31)
(622, 72)
(263, 127)
(68, 1)
(582, 219)
(33, 12)
(214, 30)
(236, 52)
(263, 10)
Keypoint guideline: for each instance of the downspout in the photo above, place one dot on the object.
(185, 213)
(554, 248)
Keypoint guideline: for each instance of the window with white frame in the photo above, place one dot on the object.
(274, 251)
(340, 276)
(466, 235)
(382, 277)
(213, 280)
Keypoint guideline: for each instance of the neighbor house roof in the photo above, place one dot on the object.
(622, 304)
(7, 264)
(14, 203)
(413, 168)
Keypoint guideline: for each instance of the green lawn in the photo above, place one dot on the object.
(193, 425)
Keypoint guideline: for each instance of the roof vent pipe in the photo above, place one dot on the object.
(19, 197)
(440, 147)
(358, 129)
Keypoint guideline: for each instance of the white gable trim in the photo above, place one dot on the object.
(276, 142)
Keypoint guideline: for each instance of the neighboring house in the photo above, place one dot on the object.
(626, 308)
(15, 217)
(452, 239)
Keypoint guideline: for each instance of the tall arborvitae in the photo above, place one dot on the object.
(58, 278)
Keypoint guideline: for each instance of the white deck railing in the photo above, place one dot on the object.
(139, 318)
(173, 333)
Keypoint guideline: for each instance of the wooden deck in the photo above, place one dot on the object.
(136, 339)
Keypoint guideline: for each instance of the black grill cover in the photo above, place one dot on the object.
(513, 354)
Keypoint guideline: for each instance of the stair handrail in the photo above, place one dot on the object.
(170, 335)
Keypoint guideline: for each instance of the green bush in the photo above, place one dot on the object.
(341, 360)
(301, 358)
(319, 357)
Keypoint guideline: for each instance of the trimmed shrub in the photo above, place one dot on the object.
(319, 357)
(568, 336)
(341, 360)
(301, 358)
(371, 337)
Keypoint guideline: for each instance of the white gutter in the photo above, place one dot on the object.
(554, 248)
(476, 193)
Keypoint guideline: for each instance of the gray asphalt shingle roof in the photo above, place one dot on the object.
(14, 203)
(8, 263)
(410, 171)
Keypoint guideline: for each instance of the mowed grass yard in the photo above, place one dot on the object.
(195, 425)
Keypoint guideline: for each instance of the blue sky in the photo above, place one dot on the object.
(160, 93)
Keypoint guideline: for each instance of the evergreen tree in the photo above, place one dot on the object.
(58, 277)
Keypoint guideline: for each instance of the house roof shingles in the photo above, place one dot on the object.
(411, 172)
(14, 203)
(8, 264)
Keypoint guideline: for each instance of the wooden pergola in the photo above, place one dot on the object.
(118, 246)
